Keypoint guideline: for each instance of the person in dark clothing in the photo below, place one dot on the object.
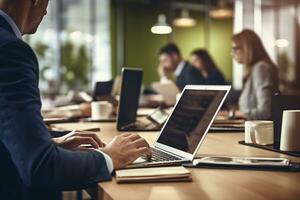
(173, 67)
(203, 62)
(33, 165)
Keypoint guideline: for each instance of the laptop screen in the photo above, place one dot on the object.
(190, 119)
(129, 97)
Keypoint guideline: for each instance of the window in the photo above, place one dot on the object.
(73, 45)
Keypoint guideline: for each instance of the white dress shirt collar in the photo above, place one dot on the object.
(179, 68)
(12, 24)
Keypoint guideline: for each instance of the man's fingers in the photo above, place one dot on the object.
(134, 137)
(141, 142)
(126, 134)
(92, 135)
(143, 151)
(79, 140)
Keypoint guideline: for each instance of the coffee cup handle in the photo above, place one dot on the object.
(252, 134)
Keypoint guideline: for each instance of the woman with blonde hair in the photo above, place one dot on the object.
(260, 77)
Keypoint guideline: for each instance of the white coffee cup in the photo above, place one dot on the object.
(290, 135)
(101, 110)
(259, 132)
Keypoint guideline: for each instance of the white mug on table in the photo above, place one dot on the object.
(290, 131)
(259, 132)
(101, 110)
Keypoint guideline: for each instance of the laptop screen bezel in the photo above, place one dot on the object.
(181, 153)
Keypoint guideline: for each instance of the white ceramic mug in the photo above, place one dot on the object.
(290, 135)
(259, 132)
(101, 110)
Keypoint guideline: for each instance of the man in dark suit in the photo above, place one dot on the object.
(172, 64)
(32, 164)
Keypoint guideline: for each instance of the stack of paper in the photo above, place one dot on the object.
(156, 174)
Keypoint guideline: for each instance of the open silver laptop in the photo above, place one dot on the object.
(187, 126)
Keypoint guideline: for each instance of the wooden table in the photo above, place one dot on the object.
(207, 183)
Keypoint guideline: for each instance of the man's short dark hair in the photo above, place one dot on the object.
(169, 49)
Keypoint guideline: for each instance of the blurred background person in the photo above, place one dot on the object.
(203, 62)
(173, 67)
(260, 75)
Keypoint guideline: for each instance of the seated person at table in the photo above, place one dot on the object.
(260, 77)
(203, 62)
(172, 64)
(34, 165)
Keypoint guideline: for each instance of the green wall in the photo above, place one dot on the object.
(141, 46)
(220, 45)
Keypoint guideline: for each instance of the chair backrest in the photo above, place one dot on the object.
(279, 104)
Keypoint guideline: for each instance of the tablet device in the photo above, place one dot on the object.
(243, 161)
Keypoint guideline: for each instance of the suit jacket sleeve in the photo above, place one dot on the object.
(264, 85)
(39, 162)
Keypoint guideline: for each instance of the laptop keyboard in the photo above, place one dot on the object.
(158, 156)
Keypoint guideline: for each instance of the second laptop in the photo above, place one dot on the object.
(129, 102)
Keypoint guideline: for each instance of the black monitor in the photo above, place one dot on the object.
(129, 97)
(279, 104)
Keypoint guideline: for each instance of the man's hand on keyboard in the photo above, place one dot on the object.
(75, 139)
(126, 148)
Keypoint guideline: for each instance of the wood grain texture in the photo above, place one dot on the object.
(207, 183)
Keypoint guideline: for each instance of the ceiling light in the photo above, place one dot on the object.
(222, 11)
(184, 20)
(161, 27)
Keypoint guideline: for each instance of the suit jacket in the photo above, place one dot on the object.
(256, 98)
(30, 163)
(189, 76)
